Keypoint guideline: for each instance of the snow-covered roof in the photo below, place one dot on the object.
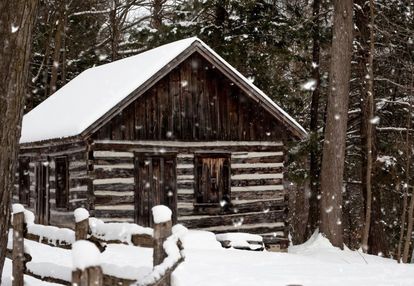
(96, 91)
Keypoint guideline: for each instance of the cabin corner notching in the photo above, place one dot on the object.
(189, 132)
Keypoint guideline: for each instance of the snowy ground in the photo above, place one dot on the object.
(315, 263)
(28, 281)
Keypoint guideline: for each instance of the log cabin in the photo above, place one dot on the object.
(175, 125)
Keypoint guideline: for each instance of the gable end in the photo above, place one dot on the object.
(207, 54)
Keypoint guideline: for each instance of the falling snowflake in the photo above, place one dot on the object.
(309, 85)
(14, 28)
(238, 222)
(375, 120)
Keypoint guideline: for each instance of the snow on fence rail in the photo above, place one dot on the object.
(91, 236)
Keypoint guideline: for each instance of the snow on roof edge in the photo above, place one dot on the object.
(183, 45)
(165, 54)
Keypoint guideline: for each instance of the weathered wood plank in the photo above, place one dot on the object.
(250, 195)
(112, 173)
(252, 160)
(109, 280)
(248, 183)
(108, 146)
(188, 209)
(257, 228)
(114, 213)
(115, 187)
(45, 240)
(244, 218)
(82, 229)
(111, 161)
(114, 200)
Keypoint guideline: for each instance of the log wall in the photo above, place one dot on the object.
(79, 194)
(258, 196)
(114, 185)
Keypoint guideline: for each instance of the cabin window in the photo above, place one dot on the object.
(24, 181)
(212, 179)
(62, 182)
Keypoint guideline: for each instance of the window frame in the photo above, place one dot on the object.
(225, 194)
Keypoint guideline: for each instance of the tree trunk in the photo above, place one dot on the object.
(115, 33)
(336, 124)
(313, 217)
(46, 56)
(364, 21)
(156, 21)
(373, 231)
(59, 34)
(410, 220)
(402, 223)
(377, 240)
(220, 19)
(16, 23)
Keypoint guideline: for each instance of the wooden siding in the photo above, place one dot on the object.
(78, 179)
(114, 185)
(258, 196)
(193, 102)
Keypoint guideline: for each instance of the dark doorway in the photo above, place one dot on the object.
(212, 179)
(42, 192)
(24, 181)
(155, 184)
(61, 182)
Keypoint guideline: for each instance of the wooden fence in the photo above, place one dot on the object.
(94, 275)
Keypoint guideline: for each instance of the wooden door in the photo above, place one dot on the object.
(155, 184)
(212, 179)
(42, 193)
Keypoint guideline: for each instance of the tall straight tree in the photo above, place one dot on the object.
(16, 23)
(364, 22)
(313, 217)
(373, 236)
(410, 219)
(336, 123)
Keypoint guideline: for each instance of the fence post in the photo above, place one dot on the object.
(18, 248)
(85, 257)
(143, 240)
(91, 276)
(162, 230)
(81, 224)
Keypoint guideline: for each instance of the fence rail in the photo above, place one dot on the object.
(86, 229)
